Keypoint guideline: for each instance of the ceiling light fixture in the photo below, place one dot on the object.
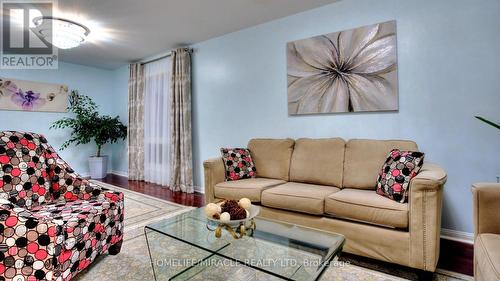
(62, 33)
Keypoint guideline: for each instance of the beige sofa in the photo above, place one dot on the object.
(487, 231)
(330, 184)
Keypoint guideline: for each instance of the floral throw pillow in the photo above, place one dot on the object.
(238, 163)
(399, 168)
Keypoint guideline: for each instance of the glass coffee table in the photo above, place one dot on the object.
(183, 248)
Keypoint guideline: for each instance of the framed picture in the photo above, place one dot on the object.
(32, 96)
(347, 71)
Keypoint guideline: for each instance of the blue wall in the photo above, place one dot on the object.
(448, 72)
(96, 83)
(120, 107)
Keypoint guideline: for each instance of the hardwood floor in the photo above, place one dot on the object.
(454, 256)
(194, 199)
(457, 257)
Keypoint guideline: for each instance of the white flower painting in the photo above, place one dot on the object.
(346, 71)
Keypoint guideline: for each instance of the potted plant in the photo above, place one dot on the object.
(87, 125)
(493, 124)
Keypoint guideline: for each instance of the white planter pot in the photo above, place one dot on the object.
(98, 166)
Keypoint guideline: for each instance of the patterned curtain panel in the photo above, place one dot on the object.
(181, 169)
(136, 122)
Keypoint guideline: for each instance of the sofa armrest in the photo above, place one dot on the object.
(430, 177)
(426, 197)
(486, 201)
(66, 184)
(214, 174)
(49, 236)
(71, 186)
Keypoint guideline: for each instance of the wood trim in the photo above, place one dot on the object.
(193, 199)
(459, 236)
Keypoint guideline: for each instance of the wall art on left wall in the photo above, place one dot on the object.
(32, 96)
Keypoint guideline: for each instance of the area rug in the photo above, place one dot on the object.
(134, 264)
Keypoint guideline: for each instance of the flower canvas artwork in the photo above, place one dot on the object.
(32, 96)
(347, 71)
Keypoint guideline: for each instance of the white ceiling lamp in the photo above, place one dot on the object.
(62, 33)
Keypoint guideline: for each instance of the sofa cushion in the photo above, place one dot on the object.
(238, 163)
(272, 157)
(487, 256)
(300, 197)
(367, 206)
(249, 188)
(394, 178)
(318, 161)
(363, 159)
(76, 216)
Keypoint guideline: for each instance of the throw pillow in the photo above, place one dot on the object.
(238, 163)
(399, 168)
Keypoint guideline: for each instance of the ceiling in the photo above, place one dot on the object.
(129, 30)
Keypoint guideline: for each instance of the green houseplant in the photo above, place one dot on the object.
(88, 125)
(491, 123)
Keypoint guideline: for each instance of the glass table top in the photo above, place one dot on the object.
(278, 249)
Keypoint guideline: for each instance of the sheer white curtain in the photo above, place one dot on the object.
(157, 81)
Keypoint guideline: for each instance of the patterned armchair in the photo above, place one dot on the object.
(53, 223)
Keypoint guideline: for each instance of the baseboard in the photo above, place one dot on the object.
(455, 235)
(119, 173)
(199, 189)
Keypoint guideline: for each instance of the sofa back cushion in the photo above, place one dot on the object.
(365, 158)
(318, 161)
(272, 157)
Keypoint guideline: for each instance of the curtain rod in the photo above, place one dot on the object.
(165, 56)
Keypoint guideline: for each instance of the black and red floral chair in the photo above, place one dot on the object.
(53, 223)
